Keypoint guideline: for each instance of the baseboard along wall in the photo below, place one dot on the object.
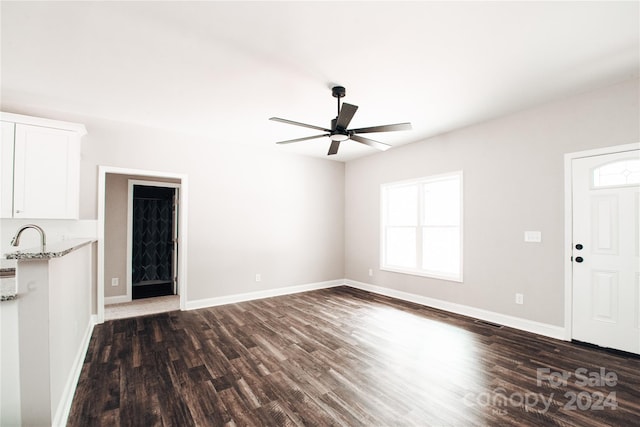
(552, 331)
(544, 329)
(248, 296)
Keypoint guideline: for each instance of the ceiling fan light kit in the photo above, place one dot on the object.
(339, 131)
(339, 137)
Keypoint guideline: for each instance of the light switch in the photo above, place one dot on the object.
(533, 236)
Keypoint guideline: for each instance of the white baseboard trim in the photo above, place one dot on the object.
(117, 300)
(249, 296)
(552, 331)
(64, 407)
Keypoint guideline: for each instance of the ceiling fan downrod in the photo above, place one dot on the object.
(338, 92)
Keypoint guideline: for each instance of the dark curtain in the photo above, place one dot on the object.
(152, 234)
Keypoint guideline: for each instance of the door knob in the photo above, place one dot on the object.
(579, 246)
(579, 259)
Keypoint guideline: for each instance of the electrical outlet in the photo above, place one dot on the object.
(258, 278)
(533, 236)
(370, 272)
(519, 298)
(115, 281)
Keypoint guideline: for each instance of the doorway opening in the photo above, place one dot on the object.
(152, 238)
(115, 247)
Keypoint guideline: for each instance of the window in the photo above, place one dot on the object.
(422, 226)
(617, 174)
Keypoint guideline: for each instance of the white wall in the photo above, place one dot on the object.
(284, 216)
(250, 210)
(513, 181)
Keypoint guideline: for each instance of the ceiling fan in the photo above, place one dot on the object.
(339, 131)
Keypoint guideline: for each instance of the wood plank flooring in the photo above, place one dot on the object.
(344, 357)
(142, 307)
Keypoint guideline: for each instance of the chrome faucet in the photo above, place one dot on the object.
(43, 238)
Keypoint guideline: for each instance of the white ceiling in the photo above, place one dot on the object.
(223, 68)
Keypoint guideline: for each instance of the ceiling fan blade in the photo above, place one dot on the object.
(346, 114)
(334, 147)
(289, 141)
(370, 142)
(385, 128)
(291, 122)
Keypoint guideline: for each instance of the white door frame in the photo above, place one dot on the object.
(130, 184)
(182, 224)
(568, 224)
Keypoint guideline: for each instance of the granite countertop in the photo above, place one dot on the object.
(54, 250)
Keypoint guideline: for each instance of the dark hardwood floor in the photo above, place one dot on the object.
(344, 357)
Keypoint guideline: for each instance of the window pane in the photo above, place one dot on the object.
(442, 202)
(441, 249)
(401, 246)
(402, 205)
(617, 173)
(422, 226)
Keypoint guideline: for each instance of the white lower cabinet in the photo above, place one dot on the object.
(40, 168)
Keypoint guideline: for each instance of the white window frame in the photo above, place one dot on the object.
(418, 271)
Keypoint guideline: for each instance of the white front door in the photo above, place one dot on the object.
(606, 262)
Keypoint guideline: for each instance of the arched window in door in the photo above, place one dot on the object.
(616, 174)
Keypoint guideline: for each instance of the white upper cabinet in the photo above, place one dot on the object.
(40, 161)
(6, 169)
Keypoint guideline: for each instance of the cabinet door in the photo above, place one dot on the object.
(6, 169)
(46, 173)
